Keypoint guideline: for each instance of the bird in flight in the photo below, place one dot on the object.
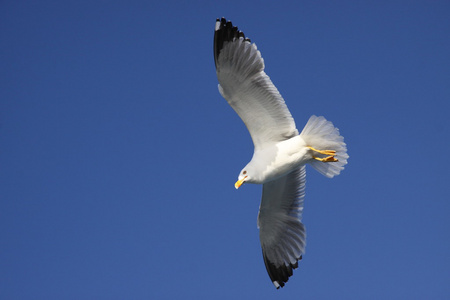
(280, 152)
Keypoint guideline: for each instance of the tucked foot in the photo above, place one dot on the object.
(326, 159)
(329, 158)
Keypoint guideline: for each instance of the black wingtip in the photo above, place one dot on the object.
(225, 32)
(279, 275)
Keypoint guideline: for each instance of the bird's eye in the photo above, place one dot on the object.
(245, 172)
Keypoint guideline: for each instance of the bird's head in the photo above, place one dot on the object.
(243, 177)
(249, 174)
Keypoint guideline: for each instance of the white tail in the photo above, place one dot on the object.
(321, 134)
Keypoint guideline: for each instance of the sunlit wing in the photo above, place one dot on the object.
(248, 89)
(282, 235)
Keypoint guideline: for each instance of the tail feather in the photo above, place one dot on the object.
(321, 134)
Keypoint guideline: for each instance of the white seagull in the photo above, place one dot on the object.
(280, 152)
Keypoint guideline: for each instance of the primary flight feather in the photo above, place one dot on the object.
(280, 152)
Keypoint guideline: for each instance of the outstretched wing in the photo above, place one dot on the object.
(282, 235)
(248, 89)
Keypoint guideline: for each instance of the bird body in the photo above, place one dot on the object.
(274, 161)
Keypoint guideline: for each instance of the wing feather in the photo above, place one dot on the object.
(282, 235)
(248, 89)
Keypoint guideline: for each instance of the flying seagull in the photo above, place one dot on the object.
(280, 152)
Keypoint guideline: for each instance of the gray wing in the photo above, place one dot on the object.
(248, 89)
(282, 235)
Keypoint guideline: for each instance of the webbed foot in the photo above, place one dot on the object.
(329, 158)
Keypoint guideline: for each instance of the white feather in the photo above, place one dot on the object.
(251, 93)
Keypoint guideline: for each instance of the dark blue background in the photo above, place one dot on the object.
(118, 155)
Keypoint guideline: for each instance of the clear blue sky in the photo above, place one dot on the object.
(118, 156)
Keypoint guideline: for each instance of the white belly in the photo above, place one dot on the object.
(281, 159)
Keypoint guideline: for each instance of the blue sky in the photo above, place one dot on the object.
(118, 156)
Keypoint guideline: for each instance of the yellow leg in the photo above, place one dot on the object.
(326, 159)
(329, 158)
(325, 152)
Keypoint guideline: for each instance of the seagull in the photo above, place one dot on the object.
(280, 152)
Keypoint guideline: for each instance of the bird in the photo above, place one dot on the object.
(280, 151)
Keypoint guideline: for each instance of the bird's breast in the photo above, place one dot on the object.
(282, 158)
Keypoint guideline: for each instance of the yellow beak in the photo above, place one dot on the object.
(239, 182)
